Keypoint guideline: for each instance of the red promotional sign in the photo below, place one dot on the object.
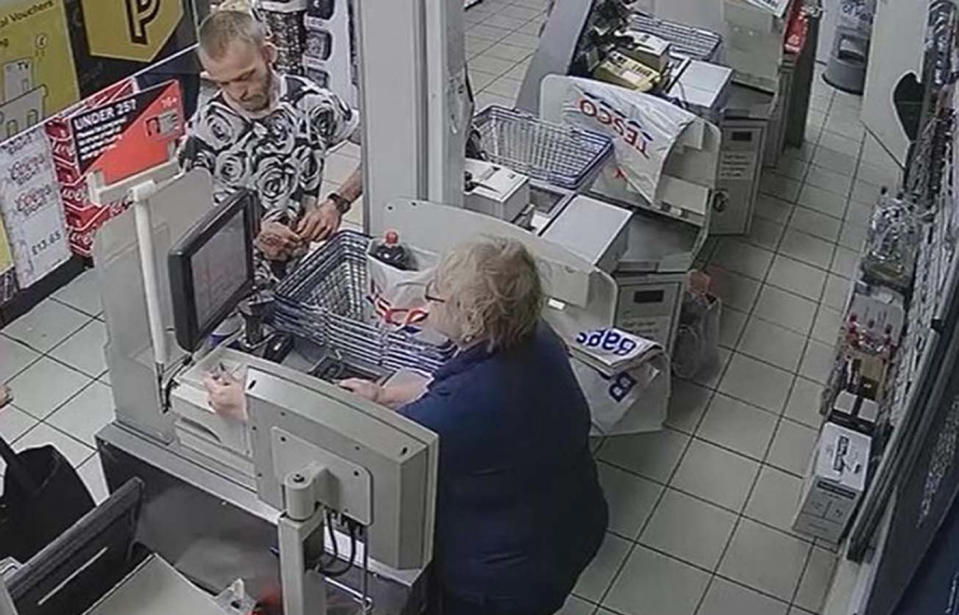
(118, 132)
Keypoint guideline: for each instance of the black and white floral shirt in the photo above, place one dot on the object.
(279, 155)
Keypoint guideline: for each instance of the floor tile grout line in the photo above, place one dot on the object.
(772, 439)
(659, 499)
(43, 422)
(73, 307)
(796, 375)
(795, 594)
(57, 345)
(667, 486)
(47, 355)
(509, 31)
(35, 360)
(769, 526)
(733, 397)
(714, 390)
(512, 31)
(61, 404)
(68, 366)
(821, 305)
(720, 446)
(782, 417)
(778, 253)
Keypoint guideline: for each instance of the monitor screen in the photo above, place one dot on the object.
(211, 269)
(215, 274)
(85, 562)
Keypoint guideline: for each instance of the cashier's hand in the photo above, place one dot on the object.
(277, 241)
(319, 222)
(363, 388)
(227, 396)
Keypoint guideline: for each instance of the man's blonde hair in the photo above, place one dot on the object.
(224, 27)
(493, 289)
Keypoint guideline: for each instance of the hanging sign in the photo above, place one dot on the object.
(113, 39)
(36, 63)
(129, 135)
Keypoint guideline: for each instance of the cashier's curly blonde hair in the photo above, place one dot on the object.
(493, 290)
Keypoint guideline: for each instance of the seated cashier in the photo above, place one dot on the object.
(520, 512)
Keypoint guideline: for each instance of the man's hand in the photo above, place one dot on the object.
(319, 222)
(227, 397)
(277, 241)
(364, 388)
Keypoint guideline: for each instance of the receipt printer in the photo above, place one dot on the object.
(592, 229)
(495, 190)
(646, 48)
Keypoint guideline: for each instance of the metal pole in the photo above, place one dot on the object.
(367, 607)
(141, 212)
(304, 589)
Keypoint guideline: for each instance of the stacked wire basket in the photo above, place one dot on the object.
(563, 156)
(325, 300)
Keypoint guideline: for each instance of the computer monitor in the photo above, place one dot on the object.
(211, 268)
(70, 574)
(380, 467)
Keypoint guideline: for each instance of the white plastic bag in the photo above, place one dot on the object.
(644, 129)
(398, 297)
(625, 379)
(697, 339)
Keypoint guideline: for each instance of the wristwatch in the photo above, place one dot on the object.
(342, 205)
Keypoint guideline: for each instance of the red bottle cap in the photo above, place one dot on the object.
(391, 238)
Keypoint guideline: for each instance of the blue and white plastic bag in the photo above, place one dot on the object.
(625, 379)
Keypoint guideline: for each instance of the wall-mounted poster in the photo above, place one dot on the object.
(31, 206)
(113, 39)
(36, 63)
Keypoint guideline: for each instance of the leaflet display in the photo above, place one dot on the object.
(31, 206)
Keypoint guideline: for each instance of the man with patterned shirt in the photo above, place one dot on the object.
(270, 133)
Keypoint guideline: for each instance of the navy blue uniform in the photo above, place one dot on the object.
(520, 512)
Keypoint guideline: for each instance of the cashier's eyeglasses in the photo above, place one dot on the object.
(428, 290)
(430, 295)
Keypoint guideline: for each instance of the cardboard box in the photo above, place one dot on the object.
(863, 374)
(834, 483)
(854, 411)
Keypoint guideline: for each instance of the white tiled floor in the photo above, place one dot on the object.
(729, 468)
(701, 511)
(53, 360)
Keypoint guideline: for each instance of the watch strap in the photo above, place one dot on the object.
(342, 205)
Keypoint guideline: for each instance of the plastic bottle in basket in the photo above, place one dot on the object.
(391, 252)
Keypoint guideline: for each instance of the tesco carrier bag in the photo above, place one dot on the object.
(398, 277)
